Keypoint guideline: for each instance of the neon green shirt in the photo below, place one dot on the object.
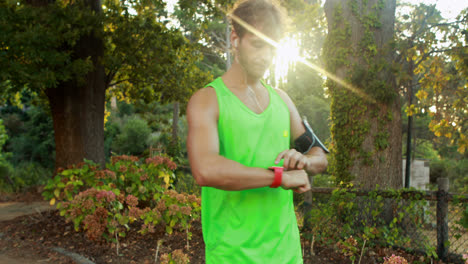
(257, 225)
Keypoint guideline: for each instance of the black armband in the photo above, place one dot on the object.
(308, 140)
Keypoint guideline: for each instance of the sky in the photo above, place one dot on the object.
(449, 8)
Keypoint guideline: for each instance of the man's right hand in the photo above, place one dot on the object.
(296, 180)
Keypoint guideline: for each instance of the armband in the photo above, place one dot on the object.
(308, 140)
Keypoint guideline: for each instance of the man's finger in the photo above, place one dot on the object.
(302, 162)
(286, 158)
(280, 156)
(296, 157)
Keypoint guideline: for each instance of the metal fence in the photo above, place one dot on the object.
(421, 221)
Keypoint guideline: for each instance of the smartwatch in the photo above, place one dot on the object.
(278, 176)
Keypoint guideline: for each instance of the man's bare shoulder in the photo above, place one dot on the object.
(203, 100)
(203, 95)
(284, 96)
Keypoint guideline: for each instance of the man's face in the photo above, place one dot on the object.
(255, 55)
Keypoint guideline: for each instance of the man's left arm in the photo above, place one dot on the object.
(314, 160)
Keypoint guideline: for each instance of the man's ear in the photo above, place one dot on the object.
(234, 39)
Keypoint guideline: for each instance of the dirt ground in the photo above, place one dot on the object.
(31, 231)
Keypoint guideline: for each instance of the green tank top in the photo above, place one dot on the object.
(257, 225)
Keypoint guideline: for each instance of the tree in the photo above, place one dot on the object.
(432, 70)
(207, 22)
(366, 121)
(70, 53)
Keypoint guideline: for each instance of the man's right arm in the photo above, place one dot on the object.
(211, 169)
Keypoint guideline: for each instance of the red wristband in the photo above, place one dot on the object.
(278, 176)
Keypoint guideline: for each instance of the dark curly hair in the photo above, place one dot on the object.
(267, 16)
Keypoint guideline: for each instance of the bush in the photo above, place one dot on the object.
(111, 130)
(348, 222)
(31, 137)
(134, 137)
(5, 167)
(104, 202)
(455, 170)
(125, 109)
(395, 260)
(176, 257)
(29, 174)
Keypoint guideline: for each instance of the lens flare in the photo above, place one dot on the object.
(309, 64)
(287, 55)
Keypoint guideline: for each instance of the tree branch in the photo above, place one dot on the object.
(118, 82)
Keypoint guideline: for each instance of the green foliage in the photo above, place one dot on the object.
(34, 43)
(111, 130)
(141, 179)
(32, 137)
(140, 52)
(133, 139)
(3, 138)
(455, 170)
(306, 90)
(30, 148)
(346, 221)
(175, 257)
(437, 75)
(464, 220)
(28, 174)
(5, 166)
(323, 180)
(185, 182)
(105, 202)
(146, 58)
(395, 260)
(45, 47)
(204, 24)
(349, 248)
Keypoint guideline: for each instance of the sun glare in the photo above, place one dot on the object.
(287, 55)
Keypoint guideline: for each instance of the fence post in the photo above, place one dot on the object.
(442, 218)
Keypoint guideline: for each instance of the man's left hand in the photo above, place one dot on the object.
(293, 160)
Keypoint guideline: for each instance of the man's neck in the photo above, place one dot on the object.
(238, 79)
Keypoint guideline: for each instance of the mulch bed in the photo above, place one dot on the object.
(36, 235)
(41, 232)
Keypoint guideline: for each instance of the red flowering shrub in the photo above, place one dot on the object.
(103, 202)
(98, 212)
(395, 260)
(174, 210)
(126, 173)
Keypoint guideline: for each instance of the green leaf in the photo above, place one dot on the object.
(172, 223)
(57, 193)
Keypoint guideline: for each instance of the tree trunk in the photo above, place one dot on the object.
(78, 107)
(366, 126)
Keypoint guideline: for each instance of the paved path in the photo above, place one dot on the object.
(11, 210)
(4, 259)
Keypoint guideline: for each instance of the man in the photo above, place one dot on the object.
(239, 127)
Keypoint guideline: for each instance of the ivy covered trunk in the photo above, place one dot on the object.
(366, 118)
(78, 105)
